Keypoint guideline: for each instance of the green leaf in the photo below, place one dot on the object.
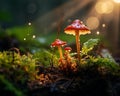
(89, 45)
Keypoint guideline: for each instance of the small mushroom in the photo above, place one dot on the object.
(77, 28)
(70, 62)
(67, 51)
(58, 43)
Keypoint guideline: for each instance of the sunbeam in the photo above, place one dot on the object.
(66, 10)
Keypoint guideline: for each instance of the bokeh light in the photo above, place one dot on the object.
(104, 7)
(92, 22)
(97, 32)
(116, 1)
(103, 25)
(24, 39)
(34, 36)
(29, 24)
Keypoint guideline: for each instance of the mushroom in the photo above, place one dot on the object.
(58, 43)
(77, 28)
(70, 63)
(67, 51)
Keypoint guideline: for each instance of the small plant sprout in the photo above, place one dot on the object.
(77, 28)
(58, 43)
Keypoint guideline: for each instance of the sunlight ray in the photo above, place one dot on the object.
(51, 19)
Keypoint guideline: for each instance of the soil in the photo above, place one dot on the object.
(53, 82)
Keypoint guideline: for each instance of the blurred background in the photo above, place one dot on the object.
(31, 25)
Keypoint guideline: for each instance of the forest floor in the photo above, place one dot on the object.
(53, 82)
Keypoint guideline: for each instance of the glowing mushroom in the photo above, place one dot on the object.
(58, 43)
(77, 28)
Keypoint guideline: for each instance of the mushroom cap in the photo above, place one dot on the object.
(58, 42)
(68, 48)
(77, 26)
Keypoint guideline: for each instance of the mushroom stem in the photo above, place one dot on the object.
(78, 45)
(60, 52)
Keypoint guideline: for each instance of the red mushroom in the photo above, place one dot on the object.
(77, 28)
(68, 49)
(67, 52)
(58, 43)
